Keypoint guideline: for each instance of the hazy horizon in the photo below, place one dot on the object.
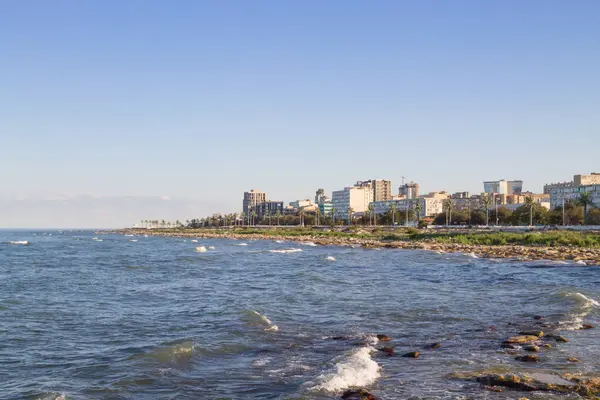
(114, 112)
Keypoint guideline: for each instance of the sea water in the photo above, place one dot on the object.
(86, 315)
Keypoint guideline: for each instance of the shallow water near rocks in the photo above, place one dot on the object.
(156, 319)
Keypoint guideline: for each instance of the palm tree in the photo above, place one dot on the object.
(253, 215)
(333, 211)
(393, 208)
(418, 207)
(531, 203)
(242, 218)
(317, 215)
(371, 213)
(278, 215)
(448, 206)
(585, 200)
(486, 202)
(350, 211)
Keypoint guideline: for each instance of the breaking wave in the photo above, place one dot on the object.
(284, 251)
(201, 249)
(24, 242)
(353, 370)
(258, 318)
(242, 244)
(309, 244)
(330, 258)
(582, 307)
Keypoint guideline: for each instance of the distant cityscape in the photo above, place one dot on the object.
(372, 202)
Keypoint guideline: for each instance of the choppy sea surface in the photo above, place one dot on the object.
(93, 316)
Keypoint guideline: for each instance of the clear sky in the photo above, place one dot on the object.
(114, 111)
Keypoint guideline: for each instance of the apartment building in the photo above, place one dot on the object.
(268, 208)
(381, 189)
(357, 198)
(409, 190)
(251, 199)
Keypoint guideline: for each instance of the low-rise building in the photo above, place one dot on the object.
(268, 208)
(429, 206)
(564, 191)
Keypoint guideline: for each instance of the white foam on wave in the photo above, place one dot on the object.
(133, 240)
(242, 244)
(23, 242)
(129, 235)
(211, 247)
(330, 258)
(473, 255)
(583, 306)
(270, 326)
(279, 241)
(285, 251)
(353, 370)
(194, 241)
(201, 249)
(309, 244)
(580, 262)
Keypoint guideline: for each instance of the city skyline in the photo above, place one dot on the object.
(183, 108)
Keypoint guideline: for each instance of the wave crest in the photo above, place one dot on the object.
(356, 369)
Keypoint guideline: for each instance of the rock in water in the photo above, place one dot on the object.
(383, 338)
(361, 394)
(521, 339)
(433, 346)
(390, 351)
(527, 358)
(412, 354)
(588, 326)
(533, 348)
(532, 333)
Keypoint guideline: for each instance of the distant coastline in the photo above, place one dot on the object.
(582, 248)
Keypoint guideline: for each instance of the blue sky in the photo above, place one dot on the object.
(196, 101)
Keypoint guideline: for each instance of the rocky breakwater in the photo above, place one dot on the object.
(579, 255)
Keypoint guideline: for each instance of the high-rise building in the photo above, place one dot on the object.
(251, 199)
(503, 187)
(409, 190)
(380, 188)
(589, 179)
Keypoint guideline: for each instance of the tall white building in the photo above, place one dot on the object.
(357, 198)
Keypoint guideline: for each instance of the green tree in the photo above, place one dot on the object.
(393, 208)
(530, 202)
(350, 215)
(278, 216)
(486, 202)
(417, 208)
(585, 200)
(448, 206)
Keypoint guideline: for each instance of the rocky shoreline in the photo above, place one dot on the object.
(579, 255)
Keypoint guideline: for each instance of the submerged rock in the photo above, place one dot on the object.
(433, 346)
(533, 348)
(361, 394)
(588, 387)
(389, 350)
(383, 338)
(532, 333)
(587, 326)
(560, 338)
(573, 360)
(521, 339)
(527, 358)
(412, 354)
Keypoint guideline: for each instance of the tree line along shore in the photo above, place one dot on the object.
(580, 247)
